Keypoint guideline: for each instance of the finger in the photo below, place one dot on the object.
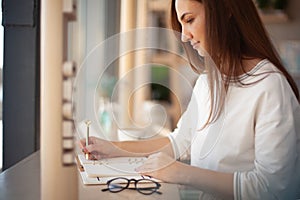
(149, 174)
(84, 150)
(92, 156)
(146, 171)
(145, 168)
(90, 148)
(81, 143)
(92, 140)
(97, 156)
(155, 155)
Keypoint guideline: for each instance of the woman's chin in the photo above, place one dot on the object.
(201, 52)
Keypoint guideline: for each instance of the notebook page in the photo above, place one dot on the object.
(113, 167)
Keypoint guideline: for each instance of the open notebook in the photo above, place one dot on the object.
(100, 171)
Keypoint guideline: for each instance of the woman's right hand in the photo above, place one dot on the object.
(98, 148)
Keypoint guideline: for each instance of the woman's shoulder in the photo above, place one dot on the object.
(265, 74)
(270, 75)
(271, 82)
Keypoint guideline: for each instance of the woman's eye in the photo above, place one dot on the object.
(190, 20)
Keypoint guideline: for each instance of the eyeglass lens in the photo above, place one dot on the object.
(117, 185)
(145, 186)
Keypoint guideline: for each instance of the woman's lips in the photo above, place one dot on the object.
(195, 45)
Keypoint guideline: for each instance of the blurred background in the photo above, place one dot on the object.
(97, 22)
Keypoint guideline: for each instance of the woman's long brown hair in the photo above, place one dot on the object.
(235, 32)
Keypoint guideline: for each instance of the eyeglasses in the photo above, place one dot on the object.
(143, 186)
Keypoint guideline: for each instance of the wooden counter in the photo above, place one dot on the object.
(22, 181)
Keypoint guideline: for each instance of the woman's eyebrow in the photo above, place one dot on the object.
(183, 15)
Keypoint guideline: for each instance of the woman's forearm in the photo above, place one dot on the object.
(217, 183)
(145, 147)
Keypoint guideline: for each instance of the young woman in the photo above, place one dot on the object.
(244, 138)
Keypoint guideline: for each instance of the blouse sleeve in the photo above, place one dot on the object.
(182, 136)
(275, 174)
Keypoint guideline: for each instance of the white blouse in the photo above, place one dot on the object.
(257, 136)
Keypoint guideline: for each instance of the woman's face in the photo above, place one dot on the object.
(191, 16)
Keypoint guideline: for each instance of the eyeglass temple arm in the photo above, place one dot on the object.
(105, 189)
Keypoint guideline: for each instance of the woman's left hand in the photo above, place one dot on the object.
(161, 166)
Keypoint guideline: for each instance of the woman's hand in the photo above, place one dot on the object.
(162, 167)
(98, 148)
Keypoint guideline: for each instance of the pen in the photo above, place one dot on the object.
(87, 122)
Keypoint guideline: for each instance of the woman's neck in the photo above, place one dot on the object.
(249, 64)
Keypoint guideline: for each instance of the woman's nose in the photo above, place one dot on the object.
(185, 36)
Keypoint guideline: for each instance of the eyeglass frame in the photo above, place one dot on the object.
(140, 190)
